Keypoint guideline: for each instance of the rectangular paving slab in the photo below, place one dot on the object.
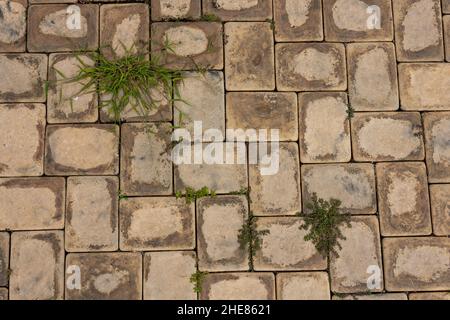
(175, 9)
(239, 10)
(3, 294)
(446, 21)
(303, 286)
(13, 25)
(440, 208)
(4, 258)
(429, 296)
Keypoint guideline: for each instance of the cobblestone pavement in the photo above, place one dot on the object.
(80, 194)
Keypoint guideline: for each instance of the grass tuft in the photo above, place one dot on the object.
(191, 194)
(250, 238)
(197, 280)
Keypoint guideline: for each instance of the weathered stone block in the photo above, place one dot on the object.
(3, 294)
(175, 9)
(429, 295)
(378, 296)
(4, 258)
(303, 286)
(13, 25)
(440, 208)
(446, 6)
(446, 21)
(237, 10)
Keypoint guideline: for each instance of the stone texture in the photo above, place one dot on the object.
(403, 200)
(4, 258)
(32, 203)
(324, 127)
(417, 264)
(239, 10)
(51, 1)
(249, 63)
(284, 248)
(23, 77)
(263, 110)
(22, 129)
(3, 294)
(446, 6)
(310, 67)
(387, 136)
(48, 28)
(13, 25)
(277, 194)
(372, 72)
(437, 142)
(219, 220)
(64, 104)
(303, 286)
(429, 296)
(157, 223)
(146, 167)
(37, 264)
(418, 30)
(107, 276)
(238, 286)
(446, 21)
(82, 150)
(378, 296)
(175, 9)
(92, 214)
(440, 208)
(353, 184)
(353, 20)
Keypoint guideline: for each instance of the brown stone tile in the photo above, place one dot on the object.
(175, 9)
(4, 259)
(303, 286)
(440, 208)
(378, 296)
(13, 25)
(239, 10)
(429, 295)
(53, 1)
(3, 294)
(446, 6)
(446, 21)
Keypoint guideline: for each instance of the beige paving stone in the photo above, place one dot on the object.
(3, 294)
(356, 20)
(372, 71)
(156, 223)
(175, 9)
(263, 110)
(167, 274)
(324, 127)
(284, 247)
(279, 193)
(49, 30)
(37, 264)
(238, 286)
(437, 142)
(32, 203)
(192, 44)
(440, 208)
(446, 6)
(429, 296)
(303, 286)
(106, 276)
(239, 10)
(416, 264)
(361, 250)
(4, 258)
(82, 150)
(353, 184)
(22, 129)
(403, 201)
(249, 63)
(298, 20)
(64, 103)
(219, 220)
(387, 136)
(418, 30)
(13, 25)
(92, 214)
(51, 1)
(424, 86)
(310, 67)
(146, 167)
(378, 296)
(446, 21)
(23, 77)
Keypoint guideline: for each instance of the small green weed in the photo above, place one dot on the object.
(210, 17)
(121, 195)
(250, 238)
(350, 112)
(197, 280)
(191, 194)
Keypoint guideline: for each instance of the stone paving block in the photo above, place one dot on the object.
(310, 67)
(249, 52)
(446, 21)
(167, 274)
(353, 184)
(378, 296)
(82, 149)
(22, 129)
(23, 77)
(403, 201)
(429, 295)
(277, 194)
(324, 127)
(106, 276)
(303, 286)
(146, 167)
(32, 203)
(175, 9)
(440, 208)
(51, 1)
(446, 6)
(4, 258)
(239, 286)
(37, 264)
(50, 29)
(360, 251)
(192, 44)
(424, 86)
(92, 214)
(416, 264)
(124, 28)
(3, 294)
(437, 142)
(239, 10)
(372, 71)
(356, 20)
(156, 223)
(219, 220)
(387, 136)
(64, 104)
(204, 100)
(264, 110)
(13, 25)
(298, 20)
(284, 247)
